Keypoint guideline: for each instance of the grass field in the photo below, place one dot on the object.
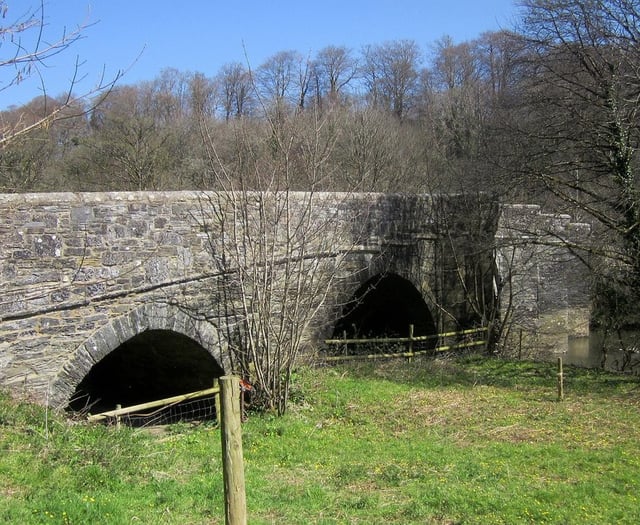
(472, 440)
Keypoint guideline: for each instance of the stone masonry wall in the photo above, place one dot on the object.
(546, 286)
(82, 273)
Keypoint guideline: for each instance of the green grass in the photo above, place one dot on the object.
(468, 441)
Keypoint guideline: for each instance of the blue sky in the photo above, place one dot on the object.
(146, 36)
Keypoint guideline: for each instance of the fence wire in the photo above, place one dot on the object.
(189, 411)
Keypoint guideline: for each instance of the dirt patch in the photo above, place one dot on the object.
(466, 415)
(10, 492)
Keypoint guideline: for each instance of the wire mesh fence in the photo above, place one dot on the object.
(190, 411)
(200, 406)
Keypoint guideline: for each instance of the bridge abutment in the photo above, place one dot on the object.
(545, 282)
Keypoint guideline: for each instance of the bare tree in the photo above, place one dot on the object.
(36, 161)
(236, 90)
(167, 96)
(276, 80)
(499, 56)
(578, 133)
(25, 51)
(132, 146)
(458, 102)
(280, 251)
(390, 72)
(375, 152)
(456, 112)
(202, 96)
(334, 68)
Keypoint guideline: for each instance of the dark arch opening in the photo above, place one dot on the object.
(385, 306)
(154, 364)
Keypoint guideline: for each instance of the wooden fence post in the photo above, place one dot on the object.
(235, 506)
(410, 343)
(216, 401)
(560, 380)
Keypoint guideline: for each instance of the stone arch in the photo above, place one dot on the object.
(413, 262)
(385, 305)
(145, 318)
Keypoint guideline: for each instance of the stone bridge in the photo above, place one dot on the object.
(118, 293)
